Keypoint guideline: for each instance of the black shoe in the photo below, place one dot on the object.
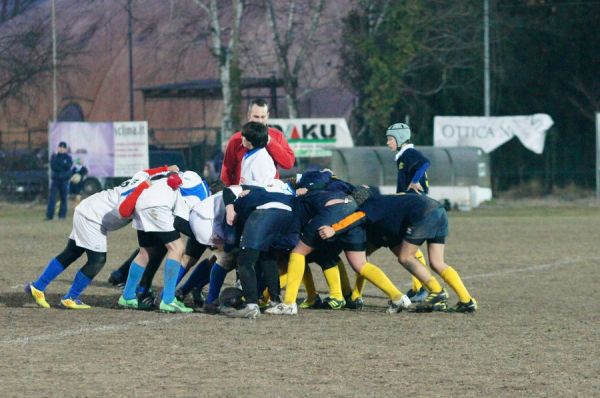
(116, 279)
(198, 298)
(179, 295)
(464, 308)
(211, 308)
(357, 304)
(146, 301)
(433, 302)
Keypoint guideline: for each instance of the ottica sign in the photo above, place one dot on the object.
(314, 137)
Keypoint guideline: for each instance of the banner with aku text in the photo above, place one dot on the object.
(488, 133)
(314, 137)
(109, 149)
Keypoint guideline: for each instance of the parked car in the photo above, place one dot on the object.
(23, 174)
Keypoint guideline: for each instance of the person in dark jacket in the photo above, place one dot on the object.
(60, 173)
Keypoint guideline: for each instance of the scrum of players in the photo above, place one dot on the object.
(266, 229)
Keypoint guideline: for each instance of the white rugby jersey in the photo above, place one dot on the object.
(154, 209)
(257, 167)
(103, 207)
(207, 219)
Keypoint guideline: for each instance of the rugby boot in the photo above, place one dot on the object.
(38, 295)
(74, 304)
(175, 306)
(469, 307)
(283, 309)
(331, 303)
(116, 279)
(250, 311)
(197, 298)
(145, 301)
(433, 302)
(211, 308)
(418, 296)
(396, 306)
(357, 304)
(312, 303)
(131, 304)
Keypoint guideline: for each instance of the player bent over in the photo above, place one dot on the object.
(410, 220)
(94, 217)
(153, 220)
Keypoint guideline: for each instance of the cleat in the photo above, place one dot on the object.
(331, 303)
(145, 301)
(198, 298)
(116, 279)
(396, 306)
(283, 309)
(433, 302)
(250, 311)
(38, 295)
(131, 304)
(211, 308)
(464, 308)
(418, 296)
(179, 295)
(357, 304)
(175, 306)
(74, 304)
(312, 303)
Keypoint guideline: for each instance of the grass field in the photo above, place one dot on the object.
(533, 269)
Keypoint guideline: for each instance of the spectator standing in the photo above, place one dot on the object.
(60, 173)
(277, 146)
(76, 182)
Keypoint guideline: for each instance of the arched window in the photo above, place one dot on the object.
(71, 113)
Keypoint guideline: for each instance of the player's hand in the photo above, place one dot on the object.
(415, 187)
(326, 232)
(244, 193)
(174, 168)
(301, 191)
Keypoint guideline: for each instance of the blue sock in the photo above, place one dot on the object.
(170, 280)
(199, 277)
(217, 277)
(52, 270)
(182, 272)
(133, 279)
(80, 282)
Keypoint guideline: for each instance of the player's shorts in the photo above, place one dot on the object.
(194, 249)
(326, 256)
(377, 237)
(152, 239)
(350, 240)
(432, 228)
(88, 234)
(263, 227)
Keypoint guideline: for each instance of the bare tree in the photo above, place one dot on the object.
(227, 57)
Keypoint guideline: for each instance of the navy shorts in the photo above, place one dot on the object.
(353, 239)
(263, 227)
(326, 256)
(432, 228)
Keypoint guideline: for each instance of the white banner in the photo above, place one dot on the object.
(131, 147)
(314, 137)
(488, 133)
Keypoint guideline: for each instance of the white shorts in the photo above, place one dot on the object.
(88, 234)
(154, 219)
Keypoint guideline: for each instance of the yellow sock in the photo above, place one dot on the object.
(358, 287)
(433, 285)
(282, 280)
(265, 296)
(416, 284)
(309, 284)
(332, 275)
(346, 289)
(451, 277)
(295, 272)
(376, 276)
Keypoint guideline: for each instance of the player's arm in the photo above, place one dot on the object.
(349, 222)
(415, 185)
(280, 151)
(227, 169)
(127, 207)
(162, 169)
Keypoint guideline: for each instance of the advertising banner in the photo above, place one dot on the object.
(108, 149)
(314, 137)
(488, 133)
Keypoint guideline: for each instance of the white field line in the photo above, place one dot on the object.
(24, 340)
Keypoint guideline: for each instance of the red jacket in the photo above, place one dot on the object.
(278, 148)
